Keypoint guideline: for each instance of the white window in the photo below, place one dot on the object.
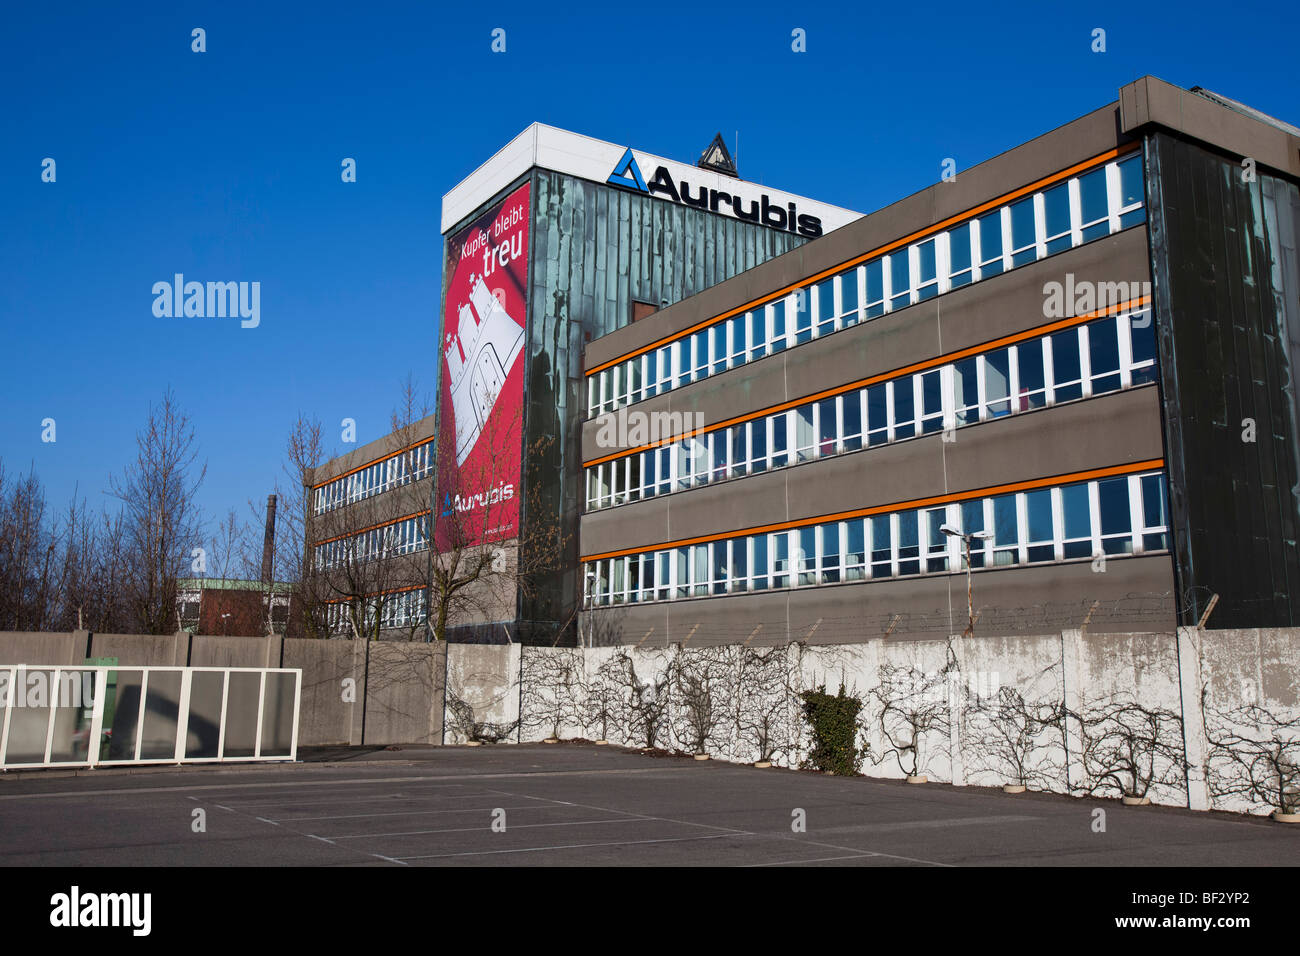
(959, 259)
(848, 289)
(898, 277)
(925, 257)
(824, 310)
(738, 337)
(1130, 191)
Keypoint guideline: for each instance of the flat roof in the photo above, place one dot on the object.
(229, 584)
(562, 151)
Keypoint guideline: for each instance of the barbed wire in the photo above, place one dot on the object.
(1153, 611)
(1135, 612)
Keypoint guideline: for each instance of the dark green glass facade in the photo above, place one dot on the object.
(597, 250)
(1226, 281)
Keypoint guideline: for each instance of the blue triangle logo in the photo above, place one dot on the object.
(619, 177)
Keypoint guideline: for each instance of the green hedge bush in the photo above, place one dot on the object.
(834, 722)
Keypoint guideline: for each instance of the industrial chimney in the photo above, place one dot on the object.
(268, 542)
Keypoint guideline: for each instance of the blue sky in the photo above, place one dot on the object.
(225, 166)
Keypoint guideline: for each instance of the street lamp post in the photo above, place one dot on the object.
(952, 532)
(591, 576)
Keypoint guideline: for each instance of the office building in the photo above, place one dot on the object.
(1076, 357)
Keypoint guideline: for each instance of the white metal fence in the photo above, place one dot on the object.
(109, 715)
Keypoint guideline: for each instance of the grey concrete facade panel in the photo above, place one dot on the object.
(1074, 142)
(374, 451)
(911, 469)
(1149, 101)
(996, 307)
(889, 342)
(1133, 593)
(647, 520)
(1116, 429)
(1016, 301)
(722, 508)
(380, 509)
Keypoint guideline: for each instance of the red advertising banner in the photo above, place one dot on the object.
(480, 438)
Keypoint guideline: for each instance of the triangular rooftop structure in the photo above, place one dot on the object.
(718, 159)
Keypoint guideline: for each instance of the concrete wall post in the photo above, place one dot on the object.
(1190, 683)
(356, 731)
(956, 691)
(78, 647)
(1072, 679)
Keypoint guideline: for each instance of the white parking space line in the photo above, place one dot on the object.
(563, 846)
(640, 816)
(272, 804)
(228, 787)
(775, 836)
(342, 798)
(414, 813)
(926, 824)
(513, 826)
(820, 859)
(313, 836)
(856, 850)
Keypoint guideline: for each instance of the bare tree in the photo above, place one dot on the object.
(1021, 740)
(1255, 754)
(644, 700)
(228, 556)
(763, 698)
(377, 567)
(360, 564)
(913, 707)
(702, 681)
(60, 571)
(463, 720)
(1127, 747)
(94, 571)
(30, 565)
(161, 523)
(474, 575)
(293, 556)
(553, 689)
(607, 698)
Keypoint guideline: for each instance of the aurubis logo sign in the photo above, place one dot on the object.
(476, 500)
(479, 355)
(788, 218)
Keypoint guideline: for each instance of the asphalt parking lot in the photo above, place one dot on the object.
(581, 805)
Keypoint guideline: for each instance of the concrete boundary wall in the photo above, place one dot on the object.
(1074, 701)
(1210, 709)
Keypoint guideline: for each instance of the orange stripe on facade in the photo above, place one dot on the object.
(1042, 330)
(373, 461)
(413, 587)
(1028, 485)
(879, 251)
(382, 524)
